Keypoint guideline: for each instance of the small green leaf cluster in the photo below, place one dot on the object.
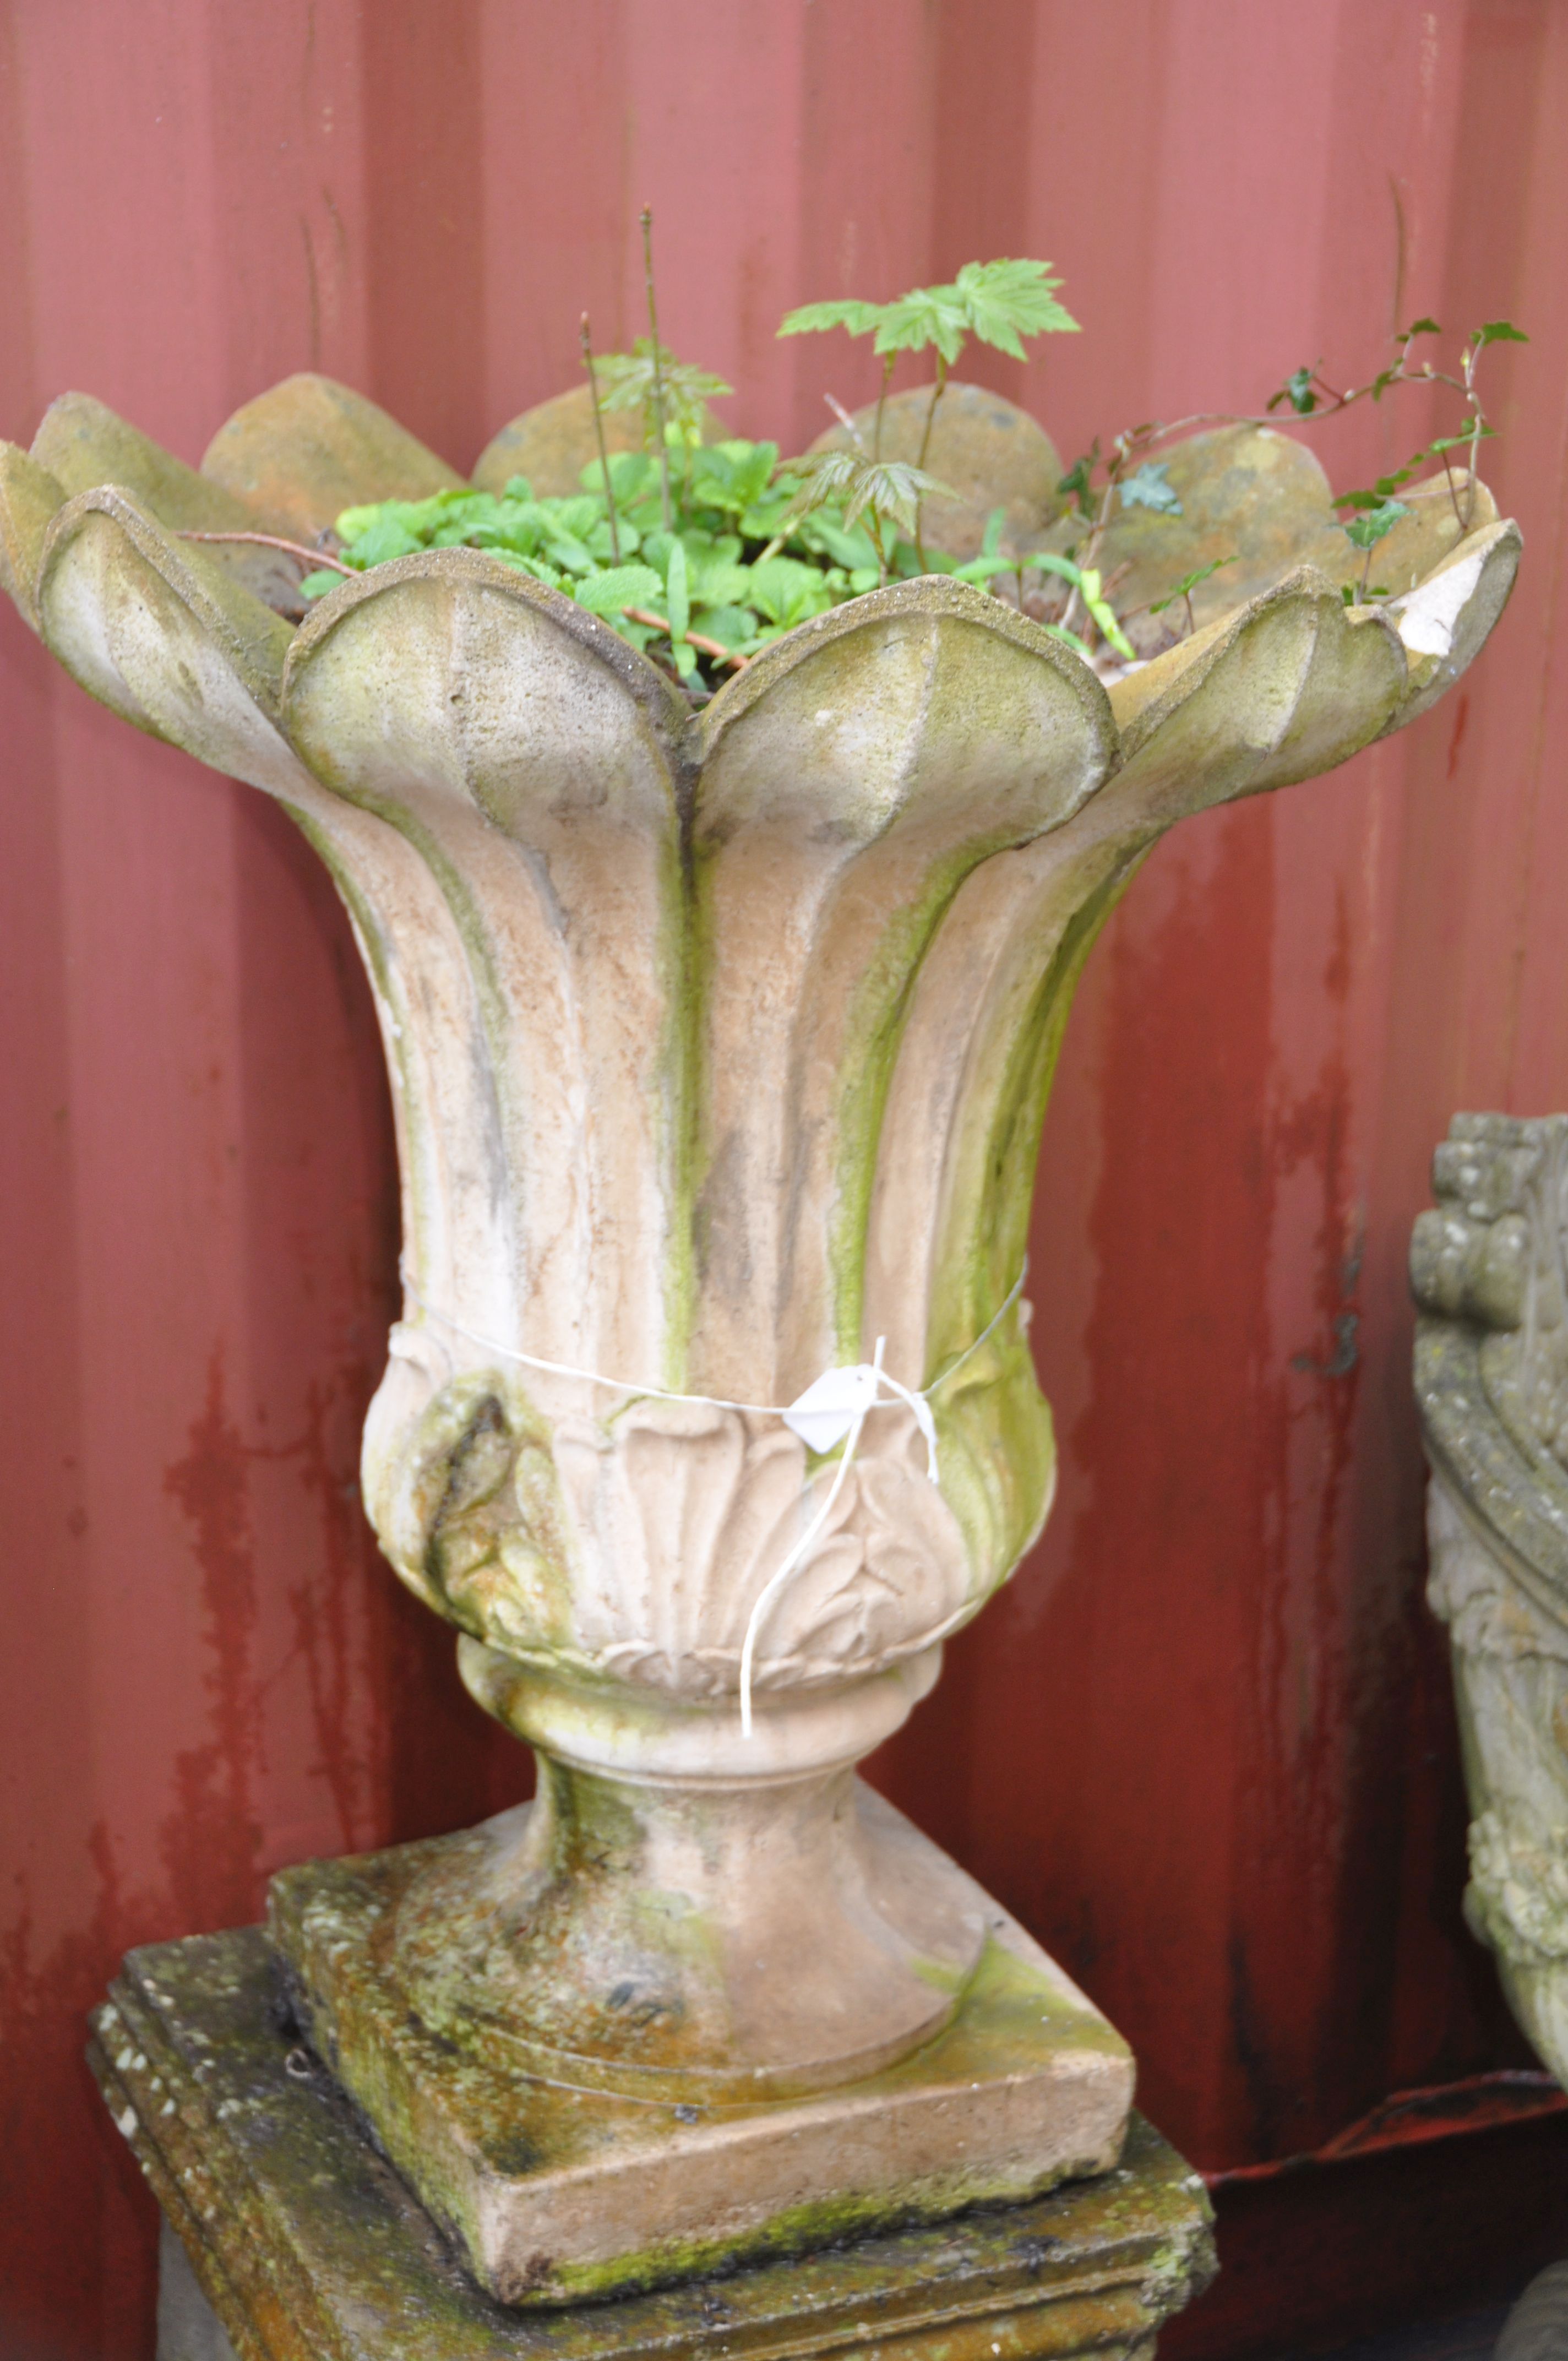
(701, 553)
(1187, 584)
(1001, 302)
(649, 374)
(1300, 391)
(754, 550)
(1366, 529)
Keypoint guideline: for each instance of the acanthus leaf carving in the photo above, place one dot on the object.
(633, 1547)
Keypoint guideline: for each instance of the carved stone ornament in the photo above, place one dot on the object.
(1490, 1272)
(719, 1046)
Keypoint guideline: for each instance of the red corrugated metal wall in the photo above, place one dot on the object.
(1203, 1745)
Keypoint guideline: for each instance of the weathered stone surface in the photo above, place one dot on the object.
(30, 498)
(584, 2111)
(719, 1045)
(83, 444)
(555, 441)
(311, 2249)
(1490, 1271)
(305, 450)
(991, 454)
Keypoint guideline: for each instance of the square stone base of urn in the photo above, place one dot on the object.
(297, 2242)
(557, 2191)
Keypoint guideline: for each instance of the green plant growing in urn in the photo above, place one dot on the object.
(723, 856)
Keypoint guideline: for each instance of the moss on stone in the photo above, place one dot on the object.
(309, 2249)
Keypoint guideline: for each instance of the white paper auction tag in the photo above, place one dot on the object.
(828, 1410)
(831, 1405)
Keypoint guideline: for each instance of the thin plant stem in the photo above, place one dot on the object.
(888, 363)
(1121, 452)
(714, 648)
(1452, 492)
(937, 392)
(666, 504)
(1473, 354)
(842, 415)
(274, 540)
(598, 431)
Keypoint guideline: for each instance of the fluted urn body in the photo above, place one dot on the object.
(719, 1046)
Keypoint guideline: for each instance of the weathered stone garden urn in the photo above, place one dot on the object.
(1490, 1271)
(720, 1044)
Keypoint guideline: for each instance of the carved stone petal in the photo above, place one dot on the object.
(1290, 685)
(890, 1578)
(30, 499)
(156, 629)
(1248, 494)
(305, 450)
(657, 1505)
(949, 1211)
(1445, 621)
(854, 775)
(535, 762)
(84, 444)
(163, 636)
(555, 441)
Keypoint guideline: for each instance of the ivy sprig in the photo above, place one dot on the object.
(1309, 395)
(1186, 586)
(1095, 481)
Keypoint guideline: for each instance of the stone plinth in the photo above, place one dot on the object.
(306, 2246)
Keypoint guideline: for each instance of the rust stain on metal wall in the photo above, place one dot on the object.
(330, 1608)
(211, 1840)
(79, 2171)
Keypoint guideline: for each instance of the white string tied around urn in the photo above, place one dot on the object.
(832, 1409)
